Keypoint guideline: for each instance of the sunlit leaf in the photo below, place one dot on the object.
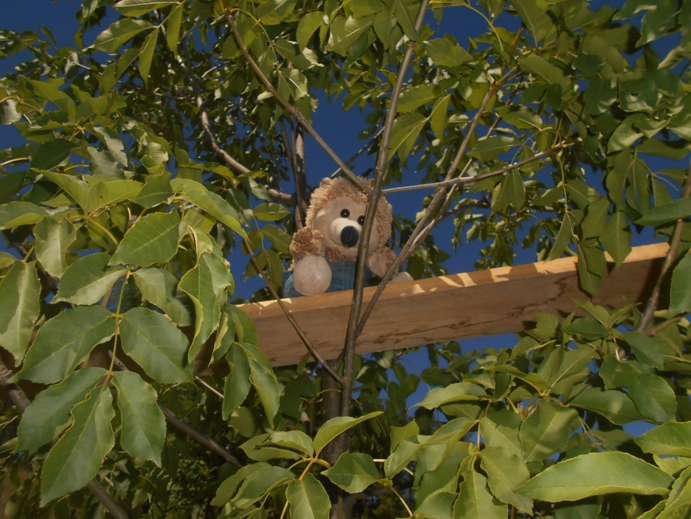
(143, 423)
(153, 239)
(88, 279)
(64, 341)
(76, 458)
(19, 308)
(596, 474)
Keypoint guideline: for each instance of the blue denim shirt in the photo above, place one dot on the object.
(342, 278)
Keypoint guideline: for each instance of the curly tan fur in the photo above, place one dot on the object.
(309, 241)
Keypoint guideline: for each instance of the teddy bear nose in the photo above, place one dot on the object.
(350, 236)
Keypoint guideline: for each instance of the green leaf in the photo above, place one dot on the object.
(353, 472)
(488, 149)
(270, 212)
(75, 459)
(64, 341)
(458, 392)
(653, 397)
(51, 153)
(153, 239)
(135, 8)
(75, 188)
(680, 291)
(336, 426)
(669, 439)
(563, 239)
(156, 190)
(146, 55)
(119, 33)
(88, 279)
(474, 500)
(591, 267)
(19, 308)
(206, 284)
(514, 188)
(174, 25)
(156, 345)
(447, 53)
(15, 214)
(237, 385)
(596, 474)
(406, 128)
(645, 349)
(617, 238)
(158, 287)
(308, 499)
(616, 406)
(296, 440)
(307, 27)
(263, 379)
(344, 33)
(230, 485)
(616, 373)
(197, 194)
(49, 413)
(414, 97)
(667, 213)
(257, 484)
(540, 67)
(52, 240)
(102, 194)
(500, 429)
(439, 116)
(506, 472)
(546, 431)
(143, 423)
(534, 17)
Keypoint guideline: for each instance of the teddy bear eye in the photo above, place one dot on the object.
(361, 220)
(345, 213)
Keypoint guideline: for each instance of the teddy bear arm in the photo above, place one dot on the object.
(379, 260)
(305, 242)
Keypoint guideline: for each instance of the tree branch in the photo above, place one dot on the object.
(233, 164)
(670, 260)
(469, 180)
(361, 269)
(20, 399)
(290, 108)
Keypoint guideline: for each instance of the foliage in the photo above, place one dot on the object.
(156, 154)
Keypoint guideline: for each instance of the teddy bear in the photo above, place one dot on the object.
(325, 250)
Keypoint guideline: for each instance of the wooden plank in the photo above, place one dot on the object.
(446, 308)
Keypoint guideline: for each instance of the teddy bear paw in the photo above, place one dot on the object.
(401, 276)
(312, 275)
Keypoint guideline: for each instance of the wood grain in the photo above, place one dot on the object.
(446, 308)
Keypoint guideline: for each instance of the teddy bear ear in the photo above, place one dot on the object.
(325, 182)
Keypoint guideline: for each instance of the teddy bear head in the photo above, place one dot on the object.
(337, 209)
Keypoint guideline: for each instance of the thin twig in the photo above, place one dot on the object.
(290, 108)
(370, 213)
(199, 437)
(670, 260)
(469, 180)
(20, 399)
(209, 387)
(362, 150)
(301, 333)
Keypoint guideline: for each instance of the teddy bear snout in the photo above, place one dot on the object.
(350, 236)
